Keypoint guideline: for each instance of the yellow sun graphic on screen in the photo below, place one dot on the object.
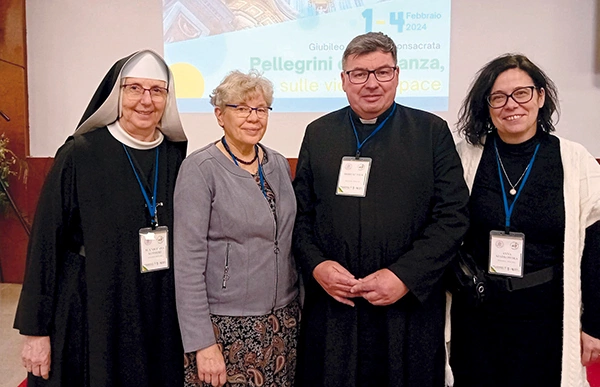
(189, 82)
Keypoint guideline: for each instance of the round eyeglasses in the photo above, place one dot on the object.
(244, 111)
(382, 74)
(136, 91)
(520, 95)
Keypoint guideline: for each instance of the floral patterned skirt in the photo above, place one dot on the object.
(258, 350)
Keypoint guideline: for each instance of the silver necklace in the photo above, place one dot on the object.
(513, 190)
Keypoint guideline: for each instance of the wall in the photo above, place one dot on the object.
(73, 43)
(13, 103)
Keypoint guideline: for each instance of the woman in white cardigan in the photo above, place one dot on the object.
(535, 231)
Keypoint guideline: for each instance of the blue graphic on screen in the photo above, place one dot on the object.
(298, 45)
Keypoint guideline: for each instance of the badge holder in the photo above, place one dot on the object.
(354, 176)
(506, 253)
(154, 249)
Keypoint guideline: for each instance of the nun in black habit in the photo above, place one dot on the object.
(98, 301)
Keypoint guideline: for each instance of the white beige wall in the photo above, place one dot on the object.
(72, 43)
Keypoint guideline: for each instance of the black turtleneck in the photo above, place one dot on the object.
(538, 213)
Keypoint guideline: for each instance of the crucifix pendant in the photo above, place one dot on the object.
(513, 191)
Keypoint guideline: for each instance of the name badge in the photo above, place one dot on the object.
(354, 176)
(154, 249)
(506, 253)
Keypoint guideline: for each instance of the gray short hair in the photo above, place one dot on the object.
(238, 87)
(368, 43)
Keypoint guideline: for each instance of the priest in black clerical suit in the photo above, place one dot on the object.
(98, 301)
(382, 209)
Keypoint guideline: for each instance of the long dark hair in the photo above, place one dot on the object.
(474, 117)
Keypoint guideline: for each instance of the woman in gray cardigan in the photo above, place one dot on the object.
(235, 276)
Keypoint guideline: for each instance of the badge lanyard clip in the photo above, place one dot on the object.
(150, 205)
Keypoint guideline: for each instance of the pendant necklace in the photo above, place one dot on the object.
(513, 190)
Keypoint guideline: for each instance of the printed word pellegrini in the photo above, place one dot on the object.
(300, 66)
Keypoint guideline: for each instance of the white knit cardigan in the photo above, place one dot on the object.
(582, 208)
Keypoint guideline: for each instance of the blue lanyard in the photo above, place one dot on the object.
(151, 206)
(377, 129)
(261, 175)
(509, 209)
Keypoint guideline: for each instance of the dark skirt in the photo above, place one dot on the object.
(514, 339)
(258, 350)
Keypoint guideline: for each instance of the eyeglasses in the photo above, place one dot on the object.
(383, 74)
(244, 111)
(135, 90)
(519, 95)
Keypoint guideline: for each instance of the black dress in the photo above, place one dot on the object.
(515, 338)
(109, 324)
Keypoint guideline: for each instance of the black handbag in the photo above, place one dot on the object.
(466, 280)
